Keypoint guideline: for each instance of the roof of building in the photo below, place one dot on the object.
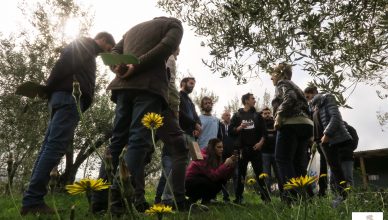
(383, 152)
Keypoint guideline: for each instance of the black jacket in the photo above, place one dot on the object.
(246, 137)
(77, 61)
(269, 144)
(188, 117)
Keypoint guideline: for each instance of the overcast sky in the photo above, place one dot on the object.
(117, 16)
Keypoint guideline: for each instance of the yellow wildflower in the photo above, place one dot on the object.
(85, 185)
(323, 175)
(158, 209)
(263, 175)
(347, 189)
(152, 120)
(251, 181)
(342, 182)
(300, 182)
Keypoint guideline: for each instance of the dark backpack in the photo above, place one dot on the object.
(352, 131)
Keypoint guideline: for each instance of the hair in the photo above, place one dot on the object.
(266, 108)
(245, 97)
(284, 70)
(213, 160)
(186, 79)
(108, 37)
(311, 90)
(205, 98)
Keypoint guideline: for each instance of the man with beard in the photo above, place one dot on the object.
(210, 124)
(188, 117)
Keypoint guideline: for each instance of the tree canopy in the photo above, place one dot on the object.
(339, 43)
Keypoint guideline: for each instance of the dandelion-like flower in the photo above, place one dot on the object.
(342, 182)
(323, 175)
(263, 175)
(347, 189)
(300, 182)
(159, 209)
(152, 120)
(251, 181)
(87, 185)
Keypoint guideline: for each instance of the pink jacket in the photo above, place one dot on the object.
(199, 167)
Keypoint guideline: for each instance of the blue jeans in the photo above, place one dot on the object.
(268, 162)
(59, 135)
(131, 106)
(162, 190)
(291, 151)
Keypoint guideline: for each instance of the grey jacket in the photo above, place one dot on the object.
(331, 119)
(152, 42)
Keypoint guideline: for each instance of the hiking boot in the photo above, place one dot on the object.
(37, 209)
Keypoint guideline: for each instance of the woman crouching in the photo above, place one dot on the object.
(204, 178)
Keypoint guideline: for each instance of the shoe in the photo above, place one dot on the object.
(37, 209)
(337, 201)
(142, 207)
(99, 208)
(187, 204)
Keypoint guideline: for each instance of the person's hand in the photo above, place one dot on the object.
(314, 148)
(278, 122)
(258, 146)
(196, 133)
(242, 126)
(198, 127)
(230, 161)
(130, 68)
(324, 139)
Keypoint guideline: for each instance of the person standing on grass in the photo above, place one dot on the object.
(249, 128)
(76, 62)
(138, 89)
(210, 124)
(294, 128)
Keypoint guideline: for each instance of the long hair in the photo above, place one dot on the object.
(213, 160)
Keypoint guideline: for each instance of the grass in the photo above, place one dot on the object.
(318, 208)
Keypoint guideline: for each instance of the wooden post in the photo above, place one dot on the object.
(363, 173)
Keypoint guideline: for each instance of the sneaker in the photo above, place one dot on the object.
(37, 209)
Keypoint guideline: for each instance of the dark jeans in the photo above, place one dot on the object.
(201, 187)
(161, 190)
(249, 155)
(268, 163)
(59, 135)
(323, 181)
(331, 152)
(131, 106)
(291, 151)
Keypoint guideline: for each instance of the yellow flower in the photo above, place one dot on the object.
(251, 181)
(342, 182)
(159, 209)
(347, 189)
(87, 185)
(152, 120)
(263, 175)
(300, 182)
(323, 175)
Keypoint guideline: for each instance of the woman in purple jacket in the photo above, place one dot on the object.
(204, 178)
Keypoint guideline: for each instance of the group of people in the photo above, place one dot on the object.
(227, 145)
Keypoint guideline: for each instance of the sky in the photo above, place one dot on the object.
(118, 16)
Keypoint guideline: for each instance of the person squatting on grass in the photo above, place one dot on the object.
(293, 125)
(76, 62)
(137, 90)
(204, 178)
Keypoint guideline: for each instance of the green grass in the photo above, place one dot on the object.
(318, 208)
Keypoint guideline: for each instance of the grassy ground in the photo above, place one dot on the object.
(318, 208)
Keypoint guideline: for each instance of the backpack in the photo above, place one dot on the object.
(352, 131)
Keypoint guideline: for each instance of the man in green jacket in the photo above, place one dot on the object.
(139, 89)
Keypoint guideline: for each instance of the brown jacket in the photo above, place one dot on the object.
(152, 42)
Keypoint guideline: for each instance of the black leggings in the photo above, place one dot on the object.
(202, 187)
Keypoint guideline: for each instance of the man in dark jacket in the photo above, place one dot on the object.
(188, 117)
(250, 128)
(137, 90)
(268, 150)
(76, 62)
